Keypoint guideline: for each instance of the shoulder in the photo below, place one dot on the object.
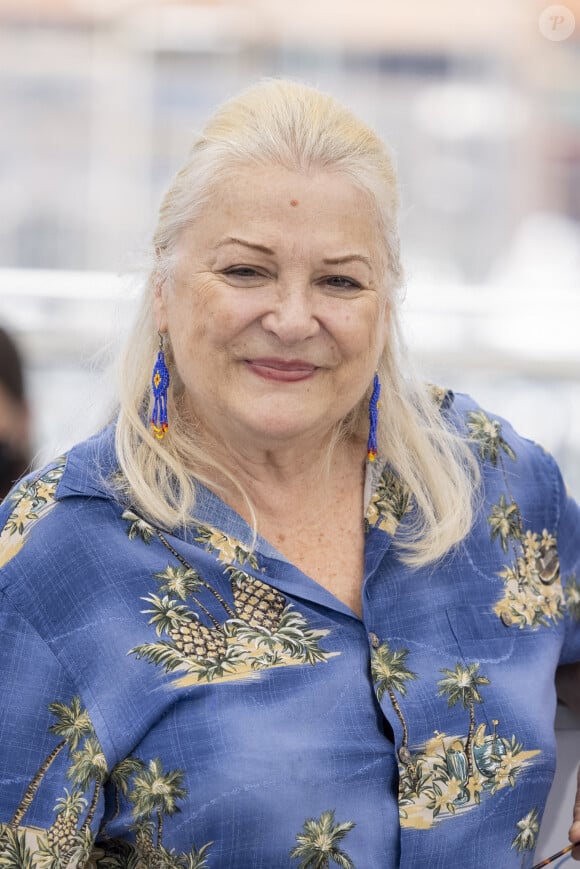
(494, 438)
(52, 513)
(27, 505)
(510, 463)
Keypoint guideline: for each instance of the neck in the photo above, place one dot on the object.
(291, 474)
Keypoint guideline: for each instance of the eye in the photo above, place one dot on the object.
(242, 272)
(341, 282)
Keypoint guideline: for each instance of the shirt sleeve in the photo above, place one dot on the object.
(52, 767)
(569, 554)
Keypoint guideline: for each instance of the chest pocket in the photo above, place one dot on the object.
(480, 635)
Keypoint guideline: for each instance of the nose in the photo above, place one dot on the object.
(291, 316)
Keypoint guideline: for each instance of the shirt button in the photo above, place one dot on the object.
(375, 642)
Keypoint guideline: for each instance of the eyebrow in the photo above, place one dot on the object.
(333, 261)
(232, 240)
(351, 257)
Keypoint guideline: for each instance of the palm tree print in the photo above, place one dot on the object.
(31, 501)
(88, 768)
(449, 772)
(121, 854)
(168, 614)
(268, 636)
(68, 810)
(292, 638)
(572, 595)
(180, 581)
(15, 852)
(533, 595)
(50, 857)
(319, 844)
(528, 829)
(194, 858)
(487, 434)
(156, 791)
(461, 686)
(120, 778)
(189, 581)
(390, 674)
(228, 549)
(506, 522)
(189, 638)
(138, 527)
(258, 632)
(389, 503)
(72, 724)
(153, 792)
(446, 785)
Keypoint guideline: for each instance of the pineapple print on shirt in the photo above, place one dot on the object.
(68, 841)
(220, 642)
(153, 792)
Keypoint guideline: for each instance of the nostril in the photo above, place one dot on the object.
(291, 323)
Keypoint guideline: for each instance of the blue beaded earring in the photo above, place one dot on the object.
(160, 385)
(374, 405)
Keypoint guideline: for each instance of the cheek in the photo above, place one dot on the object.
(216, 314)
(364, 331)
(187, 316)
(229, 321)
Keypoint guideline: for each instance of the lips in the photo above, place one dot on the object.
(284, 370)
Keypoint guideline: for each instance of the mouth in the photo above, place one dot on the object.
(284, 370)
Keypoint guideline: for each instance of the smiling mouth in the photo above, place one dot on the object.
(285, 370)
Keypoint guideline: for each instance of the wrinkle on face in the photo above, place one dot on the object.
(218, 320)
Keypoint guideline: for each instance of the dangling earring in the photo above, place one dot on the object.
(374, 405)
(160, 385)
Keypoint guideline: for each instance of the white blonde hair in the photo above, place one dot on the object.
(277, 122)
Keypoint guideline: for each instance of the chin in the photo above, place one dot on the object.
(280, 431)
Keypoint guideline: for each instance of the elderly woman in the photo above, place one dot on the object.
(269, 617)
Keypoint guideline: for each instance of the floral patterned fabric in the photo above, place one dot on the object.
(181, 700)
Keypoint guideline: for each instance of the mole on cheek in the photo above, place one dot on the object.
(293, 203)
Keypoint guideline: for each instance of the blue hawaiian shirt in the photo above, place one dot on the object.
(185, 700)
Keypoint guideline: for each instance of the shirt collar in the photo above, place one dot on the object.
(91, 464)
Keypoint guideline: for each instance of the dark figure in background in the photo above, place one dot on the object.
(14, 415)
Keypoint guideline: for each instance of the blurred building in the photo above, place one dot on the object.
(99, 98)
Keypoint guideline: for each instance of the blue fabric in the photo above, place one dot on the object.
(213, 707)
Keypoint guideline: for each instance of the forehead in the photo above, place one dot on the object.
(279, 206)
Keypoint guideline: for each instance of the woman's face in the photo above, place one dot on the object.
(276, 313)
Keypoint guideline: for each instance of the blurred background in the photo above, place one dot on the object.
(481, 104)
